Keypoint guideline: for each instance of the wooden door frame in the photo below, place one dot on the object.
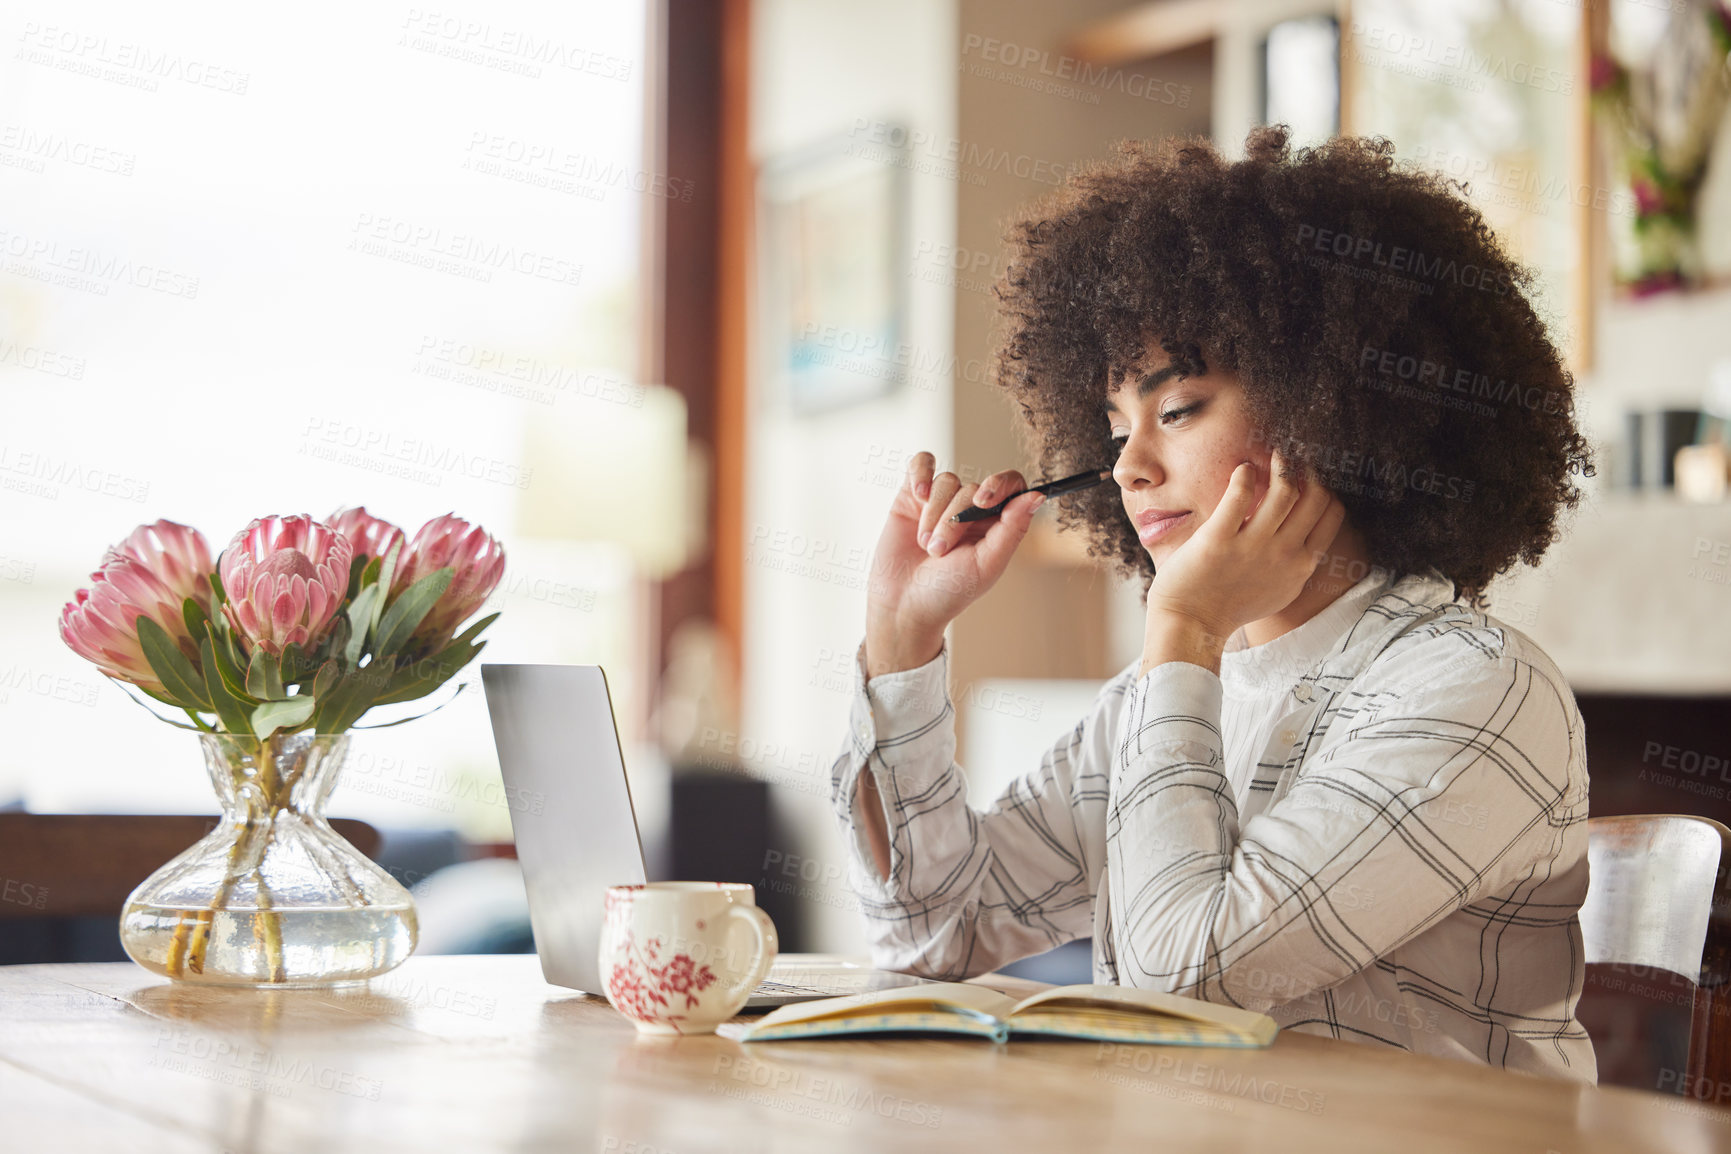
(695, 287)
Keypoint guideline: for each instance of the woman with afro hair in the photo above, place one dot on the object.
(1332, 789)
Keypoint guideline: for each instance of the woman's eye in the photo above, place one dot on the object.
(1171, 415)
(1118, 442)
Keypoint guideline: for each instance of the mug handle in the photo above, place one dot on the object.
(768, 944)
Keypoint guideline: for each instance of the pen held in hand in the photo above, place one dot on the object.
(1051, 488)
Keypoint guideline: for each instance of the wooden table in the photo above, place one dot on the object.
(479, 1054)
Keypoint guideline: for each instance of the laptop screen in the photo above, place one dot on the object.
(570, 807)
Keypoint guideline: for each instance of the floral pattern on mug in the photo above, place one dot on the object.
(670, 953)
(639, 985)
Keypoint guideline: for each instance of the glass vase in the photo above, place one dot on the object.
(272, 896)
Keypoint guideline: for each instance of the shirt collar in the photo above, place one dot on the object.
(1349, 631)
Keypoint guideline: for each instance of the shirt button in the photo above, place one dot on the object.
(1289, 736)
(865, 734)
(1302, 693)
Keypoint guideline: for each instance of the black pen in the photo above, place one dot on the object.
(1051, 488)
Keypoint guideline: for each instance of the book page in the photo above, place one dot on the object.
(1148, 1001)
(1072, 1020)
(953, 997)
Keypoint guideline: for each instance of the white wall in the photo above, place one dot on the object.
(816, 66)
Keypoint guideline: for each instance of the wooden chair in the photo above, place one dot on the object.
(1659, 904)
(56, 865)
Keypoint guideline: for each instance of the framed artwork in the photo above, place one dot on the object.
(1661, 92)
(833, 271)
(1495, 94)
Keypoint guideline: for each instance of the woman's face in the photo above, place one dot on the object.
(1178, 444)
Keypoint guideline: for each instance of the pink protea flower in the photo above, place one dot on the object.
(1649, 201)
(479, 561)
(1602, 73)
(285, 578)
(101, 623)
(368, 535)
(175, 554)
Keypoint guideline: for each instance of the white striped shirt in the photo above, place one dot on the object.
(1372, 827)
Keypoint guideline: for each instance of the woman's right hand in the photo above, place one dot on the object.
(928, 568)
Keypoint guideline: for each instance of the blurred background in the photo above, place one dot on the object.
(665, 293)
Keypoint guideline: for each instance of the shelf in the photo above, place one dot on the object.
(1145, 31)
(1636, 598)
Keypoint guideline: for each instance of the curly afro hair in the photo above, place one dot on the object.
(1382, 335)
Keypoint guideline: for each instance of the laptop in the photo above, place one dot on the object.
(554, 729)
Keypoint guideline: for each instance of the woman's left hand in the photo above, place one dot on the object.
(1244, 563)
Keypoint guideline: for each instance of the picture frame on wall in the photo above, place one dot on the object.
(1495, 96)
(833, 271)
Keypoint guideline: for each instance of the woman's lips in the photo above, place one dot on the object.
(1151, 527)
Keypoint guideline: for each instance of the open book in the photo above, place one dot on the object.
(1103, 1013)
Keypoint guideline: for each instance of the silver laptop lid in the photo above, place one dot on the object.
(558, 745)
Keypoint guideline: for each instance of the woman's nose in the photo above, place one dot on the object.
(1136, 467)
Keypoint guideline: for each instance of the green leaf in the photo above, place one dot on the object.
(275, 715)
(234, 714)
(170, 665)
(360, 620)
(255, 685)
(351, 712)
(410, 609)
(264, 678)
(357, 574)
(195, 617)
(165, 698)
(388, 574)
(409, 682)
(430, 673)
(296, 665)
(326, 677)
(336, 642)
(216, 585)
(127, 688)
(474, 630)
(228, 668)
(419, 678)
(342, 705)
(227, 645)
(392, 724)
(416, 717)
(370, 575)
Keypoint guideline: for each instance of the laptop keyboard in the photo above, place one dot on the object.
(832, 984)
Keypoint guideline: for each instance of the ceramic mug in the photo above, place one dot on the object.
(682, 957)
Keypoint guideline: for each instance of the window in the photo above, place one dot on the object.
(281, 263)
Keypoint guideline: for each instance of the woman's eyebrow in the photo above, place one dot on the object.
(1146, 385)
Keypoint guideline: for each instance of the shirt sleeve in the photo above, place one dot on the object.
(967, 890)
(1447, 791)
